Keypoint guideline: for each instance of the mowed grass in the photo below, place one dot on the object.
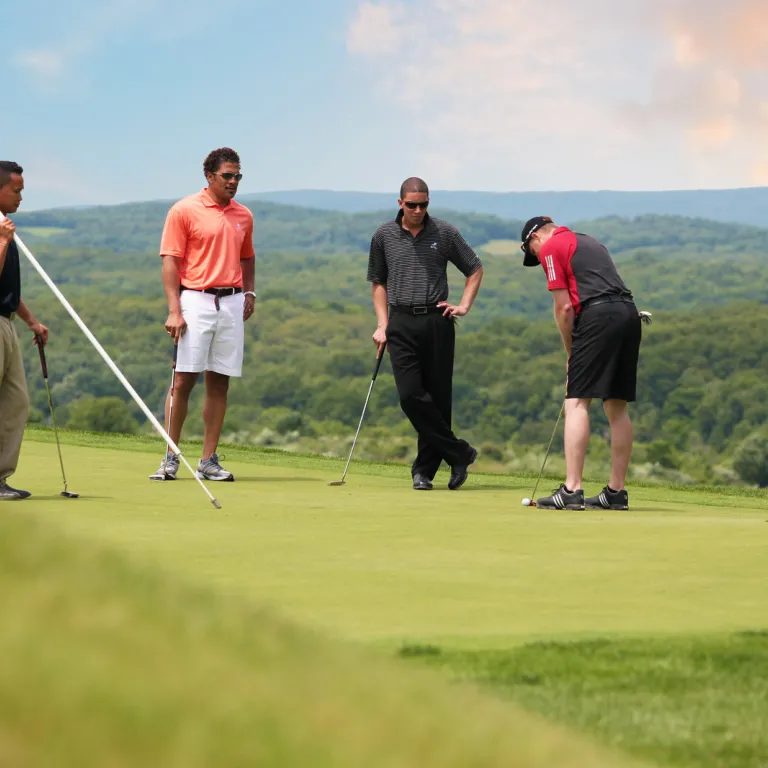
(106, 664)
(376, 562)
(630, 626)
(501, 247)
(693, 701)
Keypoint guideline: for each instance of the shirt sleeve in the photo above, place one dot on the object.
(175, 234)
(377, 262)
(554, 261)
(248, 251)
(463, 256)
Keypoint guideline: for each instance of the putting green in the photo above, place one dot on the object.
(376, 562)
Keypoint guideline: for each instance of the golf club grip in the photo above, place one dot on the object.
(41, 350)
(378, 361)
(175, 353)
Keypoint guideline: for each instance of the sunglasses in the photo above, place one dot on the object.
(230, 176)
(526, 242)
(413, 206)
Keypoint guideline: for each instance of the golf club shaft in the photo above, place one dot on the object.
(549, 448)
(173, 388)
(365, 406)
(108, 360)
(44, 365)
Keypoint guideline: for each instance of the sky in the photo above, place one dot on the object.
(110, 101)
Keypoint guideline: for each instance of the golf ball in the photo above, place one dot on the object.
(526, 502)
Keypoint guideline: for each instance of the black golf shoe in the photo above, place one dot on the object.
(460, 472)
(608, 499)
(12, 494)
(562, 498)
(421, 482)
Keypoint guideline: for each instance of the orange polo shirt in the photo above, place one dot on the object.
(209, 241)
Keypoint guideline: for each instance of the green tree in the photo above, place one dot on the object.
(101, 414)
(751, 459)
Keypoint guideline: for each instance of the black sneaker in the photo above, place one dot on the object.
(608, 499)
(562, 499)
(421, 482)
(460, 472)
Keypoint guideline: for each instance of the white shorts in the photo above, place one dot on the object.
(214, 339)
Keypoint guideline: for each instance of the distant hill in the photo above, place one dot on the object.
(745, 206)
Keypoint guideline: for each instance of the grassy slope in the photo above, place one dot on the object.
(375, 562)
(105, 663)
(693, 701)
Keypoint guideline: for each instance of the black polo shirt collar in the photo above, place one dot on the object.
(427, 222)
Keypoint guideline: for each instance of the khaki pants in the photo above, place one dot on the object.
(14, 400)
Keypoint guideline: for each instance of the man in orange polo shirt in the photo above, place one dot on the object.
(208, 276)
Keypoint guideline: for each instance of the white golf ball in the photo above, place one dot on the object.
(526, 502)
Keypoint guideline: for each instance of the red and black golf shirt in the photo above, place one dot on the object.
(583, 266)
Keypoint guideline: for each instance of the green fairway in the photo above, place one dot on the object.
(105, 664)
(641, 629)
(375, 561)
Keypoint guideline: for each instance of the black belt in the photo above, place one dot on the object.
(218, 293)
(606, 300)
(420, 309)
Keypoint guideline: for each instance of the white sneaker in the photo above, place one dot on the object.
(212, 470)
(168, 469)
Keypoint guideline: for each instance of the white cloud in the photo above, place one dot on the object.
(554, 94)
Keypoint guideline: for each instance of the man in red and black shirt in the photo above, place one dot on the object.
(601, 330)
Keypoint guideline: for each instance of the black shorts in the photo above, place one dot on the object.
(605, 351)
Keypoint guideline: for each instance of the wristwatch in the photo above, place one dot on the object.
(250, 293)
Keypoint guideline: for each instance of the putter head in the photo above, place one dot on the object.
(216, 503)
(337, 482)
(69, 495)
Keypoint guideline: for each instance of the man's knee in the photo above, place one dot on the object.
(616, 409)
(216, 383)
(184, 383)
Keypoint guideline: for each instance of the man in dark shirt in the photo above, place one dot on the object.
(601, 331)
(14, 400)
(407, 266)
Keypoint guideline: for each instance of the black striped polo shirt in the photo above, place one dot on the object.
(414, 269)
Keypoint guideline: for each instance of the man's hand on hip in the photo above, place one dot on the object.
(250, 301)
(176, 325)
(449, 310)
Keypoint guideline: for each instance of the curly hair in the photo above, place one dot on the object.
(215, 159)
(7, 169)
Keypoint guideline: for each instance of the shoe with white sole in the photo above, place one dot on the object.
(562, 498)
(212, 470)
(12, 494)
(168, 469)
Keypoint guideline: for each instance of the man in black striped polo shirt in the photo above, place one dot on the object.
(408, 269)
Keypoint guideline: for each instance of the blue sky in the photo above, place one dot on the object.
(119, 100)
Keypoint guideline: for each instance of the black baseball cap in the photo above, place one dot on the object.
(536, 223)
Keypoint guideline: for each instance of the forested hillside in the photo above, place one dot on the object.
(309, 354)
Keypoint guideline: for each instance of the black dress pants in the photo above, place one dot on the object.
(421, 351)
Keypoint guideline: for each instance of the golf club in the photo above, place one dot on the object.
(362, 416)
(532, 501)
(108, 360)
(170, 410)
(43, 364)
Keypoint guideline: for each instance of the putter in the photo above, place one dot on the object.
(362, 416)
(40, 348)
(532, 501)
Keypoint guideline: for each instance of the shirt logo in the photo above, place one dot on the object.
(433, 246)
